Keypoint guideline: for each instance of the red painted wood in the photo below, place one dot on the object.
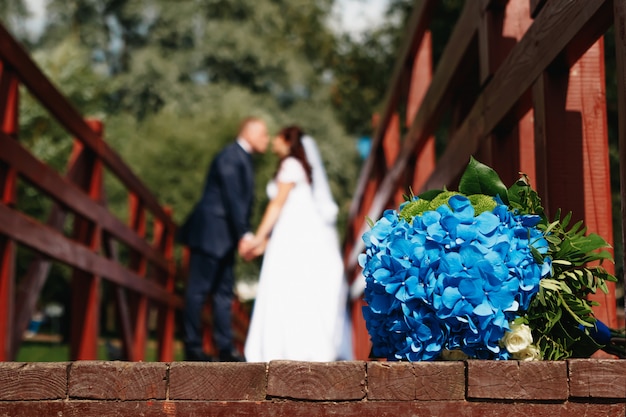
(166, 315)
(360, 338)
(619, 10)
(7, 279)
(513, 143)
(41, 238)
(445, 81)
(79, 193)
(9, 99)
(421, 78)
(391, 148)
(64, 191)
(576, 177)
(416, 27)
(139, 303)
(85, 286)
(13, 55)
(557, 25)
(587, 95)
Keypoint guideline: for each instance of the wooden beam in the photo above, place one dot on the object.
(619, 11)
(54, 101)
(50, 242)
(431, 110)
(555, 27)
(417, 26)
(68, 195)
(9, 104)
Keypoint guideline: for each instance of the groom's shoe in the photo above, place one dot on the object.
(228, 355)
(198, 356)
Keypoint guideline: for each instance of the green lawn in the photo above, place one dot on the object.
(37, 351)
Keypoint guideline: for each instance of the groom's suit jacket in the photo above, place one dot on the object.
(222, 215)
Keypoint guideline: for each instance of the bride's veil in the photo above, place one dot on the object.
(328, 209)
(326, 205)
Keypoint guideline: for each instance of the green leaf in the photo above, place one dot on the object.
(430, 194)
(478, 178)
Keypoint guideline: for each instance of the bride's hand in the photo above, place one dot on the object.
(259, 249)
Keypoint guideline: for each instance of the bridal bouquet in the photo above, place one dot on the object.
(482, 273)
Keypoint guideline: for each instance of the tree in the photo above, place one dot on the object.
(14, 14)
(176, 77)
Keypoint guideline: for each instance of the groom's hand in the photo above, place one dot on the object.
(246, 247)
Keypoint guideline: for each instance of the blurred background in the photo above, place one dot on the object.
(172, 79)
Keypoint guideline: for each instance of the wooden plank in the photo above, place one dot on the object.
(517, 380)
(619, 11)
(29, 288)
(85, 286)
(505, 149)
(166, 315)
(33, 381)
(52, 243)
(50, 97)
(557, 25)
(597, 379)
(326, 381)
(418, 24)
(311, 408)
(587, 96)
(431, 110)
(71, 197)
(122, 381)
(121, 302)
(536, 6)
(138, 264)
(210, 382)
(7, 279)
(9, 99)
(572, 135)
(420, 81)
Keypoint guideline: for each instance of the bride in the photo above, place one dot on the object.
(299, 312)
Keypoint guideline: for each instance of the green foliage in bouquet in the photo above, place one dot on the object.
(560, 315)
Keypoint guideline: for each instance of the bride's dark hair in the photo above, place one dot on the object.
(293, 136)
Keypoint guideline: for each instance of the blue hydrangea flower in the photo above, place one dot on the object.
(449, 279)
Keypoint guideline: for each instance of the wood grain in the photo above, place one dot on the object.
(99, 380)
(324, 381)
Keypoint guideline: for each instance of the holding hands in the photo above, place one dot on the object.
(251, 246)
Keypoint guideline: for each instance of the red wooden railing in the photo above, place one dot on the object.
(521, 86)
(147, 282)
(149, 279)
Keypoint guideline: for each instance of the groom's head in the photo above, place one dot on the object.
(254, 131)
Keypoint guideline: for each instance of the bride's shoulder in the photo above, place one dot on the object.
(291, 168)
(291, 162)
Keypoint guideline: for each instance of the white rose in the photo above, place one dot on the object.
(518, 338)
(531, 353)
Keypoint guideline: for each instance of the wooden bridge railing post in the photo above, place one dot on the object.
(421, 77)
(619, 22)
(92, 250)
(9, 99)
(138, 263)
(572, 134)
(86, 294)
(510, 148)
(164, 242)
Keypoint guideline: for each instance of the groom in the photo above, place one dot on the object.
(218, 225)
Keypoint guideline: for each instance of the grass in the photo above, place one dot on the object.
(53, 351)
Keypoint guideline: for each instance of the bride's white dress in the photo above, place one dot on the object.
(299, 312)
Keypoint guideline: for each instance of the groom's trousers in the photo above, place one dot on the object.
(209, 276)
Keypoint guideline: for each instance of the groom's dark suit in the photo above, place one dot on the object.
(212, 231)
